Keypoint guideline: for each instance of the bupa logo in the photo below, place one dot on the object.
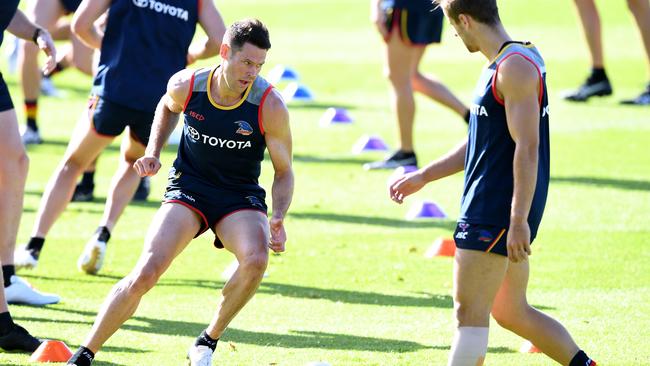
(197, 116)
(244, 128)
(160, 7)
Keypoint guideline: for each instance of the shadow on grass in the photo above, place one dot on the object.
(326, 160)
(373, 220)
(627, 184)
(294, 339)
(320, 105)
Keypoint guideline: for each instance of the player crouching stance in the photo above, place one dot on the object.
(212, 185)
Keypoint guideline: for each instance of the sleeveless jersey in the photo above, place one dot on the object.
(223, 145)
(7, 11)
(487, 195)
(144, 44)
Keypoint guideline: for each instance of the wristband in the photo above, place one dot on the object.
(37, 33)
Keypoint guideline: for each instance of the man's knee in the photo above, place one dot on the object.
(398, 77)
(509, 316)
(140, 282)
(255, 264)
(471, 314)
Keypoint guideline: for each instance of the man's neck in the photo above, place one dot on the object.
(223, 94)
(491, 39)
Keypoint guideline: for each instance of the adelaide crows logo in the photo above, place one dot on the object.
(244, 128)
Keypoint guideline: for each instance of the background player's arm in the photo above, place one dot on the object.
(83, 22)
(165, 119)
(518, 84)
(21, 27)
(277, 133)
(450, 163)
(214, 27)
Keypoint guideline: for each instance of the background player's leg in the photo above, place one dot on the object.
(597, 84)
(83, 148)
(44, 13)
(81, 56)
(641, 11)
(124, 183)
(246, 235)
(433, 88)
(171, 229)
(512, 311)
(477, 277)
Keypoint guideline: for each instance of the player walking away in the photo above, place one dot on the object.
(506, 161)
(140, 50)
(598, 83)
(47, 13)
(13, 173)
(408, 27)
(231, 116)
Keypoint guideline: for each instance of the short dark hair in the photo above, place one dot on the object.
(248, 30)
(484, 11)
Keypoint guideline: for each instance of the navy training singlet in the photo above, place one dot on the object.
(144, 44)
(223, 145)
(489, 181)
(7, 11)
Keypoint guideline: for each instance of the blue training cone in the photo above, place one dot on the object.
(369, 143)
(295, 92)
(335, 116)
(425, 210)
(281, 73)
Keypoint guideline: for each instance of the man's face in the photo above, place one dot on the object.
(243, 66)
(462, 31)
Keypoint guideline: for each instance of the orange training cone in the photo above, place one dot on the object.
(51, 351)
(442, 247)
(528, 347)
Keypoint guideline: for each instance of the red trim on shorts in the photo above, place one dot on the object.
(259, 110)
(91, 114)
(189, 95)
(241, 209)
(205, 227)
(495, 240)
(539, 74)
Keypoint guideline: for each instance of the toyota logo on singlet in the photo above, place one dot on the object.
(194, 134)
(141, 3)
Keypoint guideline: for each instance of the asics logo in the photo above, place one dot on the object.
(160, 7)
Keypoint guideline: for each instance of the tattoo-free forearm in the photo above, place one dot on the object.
(524, 168)
(282, 192)
(450, 163)
(21, 27)
(164, 122)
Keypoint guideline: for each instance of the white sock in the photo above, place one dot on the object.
(469, 347)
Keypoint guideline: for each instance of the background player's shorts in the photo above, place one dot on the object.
(70, 6)
(419, 22)
(210, 202)
(5, 99)
(486, 238)
(110, 119)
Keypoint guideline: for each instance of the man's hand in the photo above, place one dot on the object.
(278, 235)
(45, 43)
(518, 242)
(405, 186)
(147, 166)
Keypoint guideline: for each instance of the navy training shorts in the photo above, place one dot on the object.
(110, 119)
(485, 238)
(70, 6)
(418, 22)
(5, 98)
(210, 202)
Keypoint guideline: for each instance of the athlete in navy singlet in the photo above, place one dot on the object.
(231, 116)
(506, 163)
(13, 173)
(145, 42)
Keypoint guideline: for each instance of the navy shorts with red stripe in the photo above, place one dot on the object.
(210, 202)
(5, 98)
(70, 6)
(110, 119)
(485, 238)
(418, 22)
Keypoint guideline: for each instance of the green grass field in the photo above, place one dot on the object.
(354, 287)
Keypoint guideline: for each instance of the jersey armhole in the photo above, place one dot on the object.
(198, 9)
(496, 72)
(259, 110)
(189, 95)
